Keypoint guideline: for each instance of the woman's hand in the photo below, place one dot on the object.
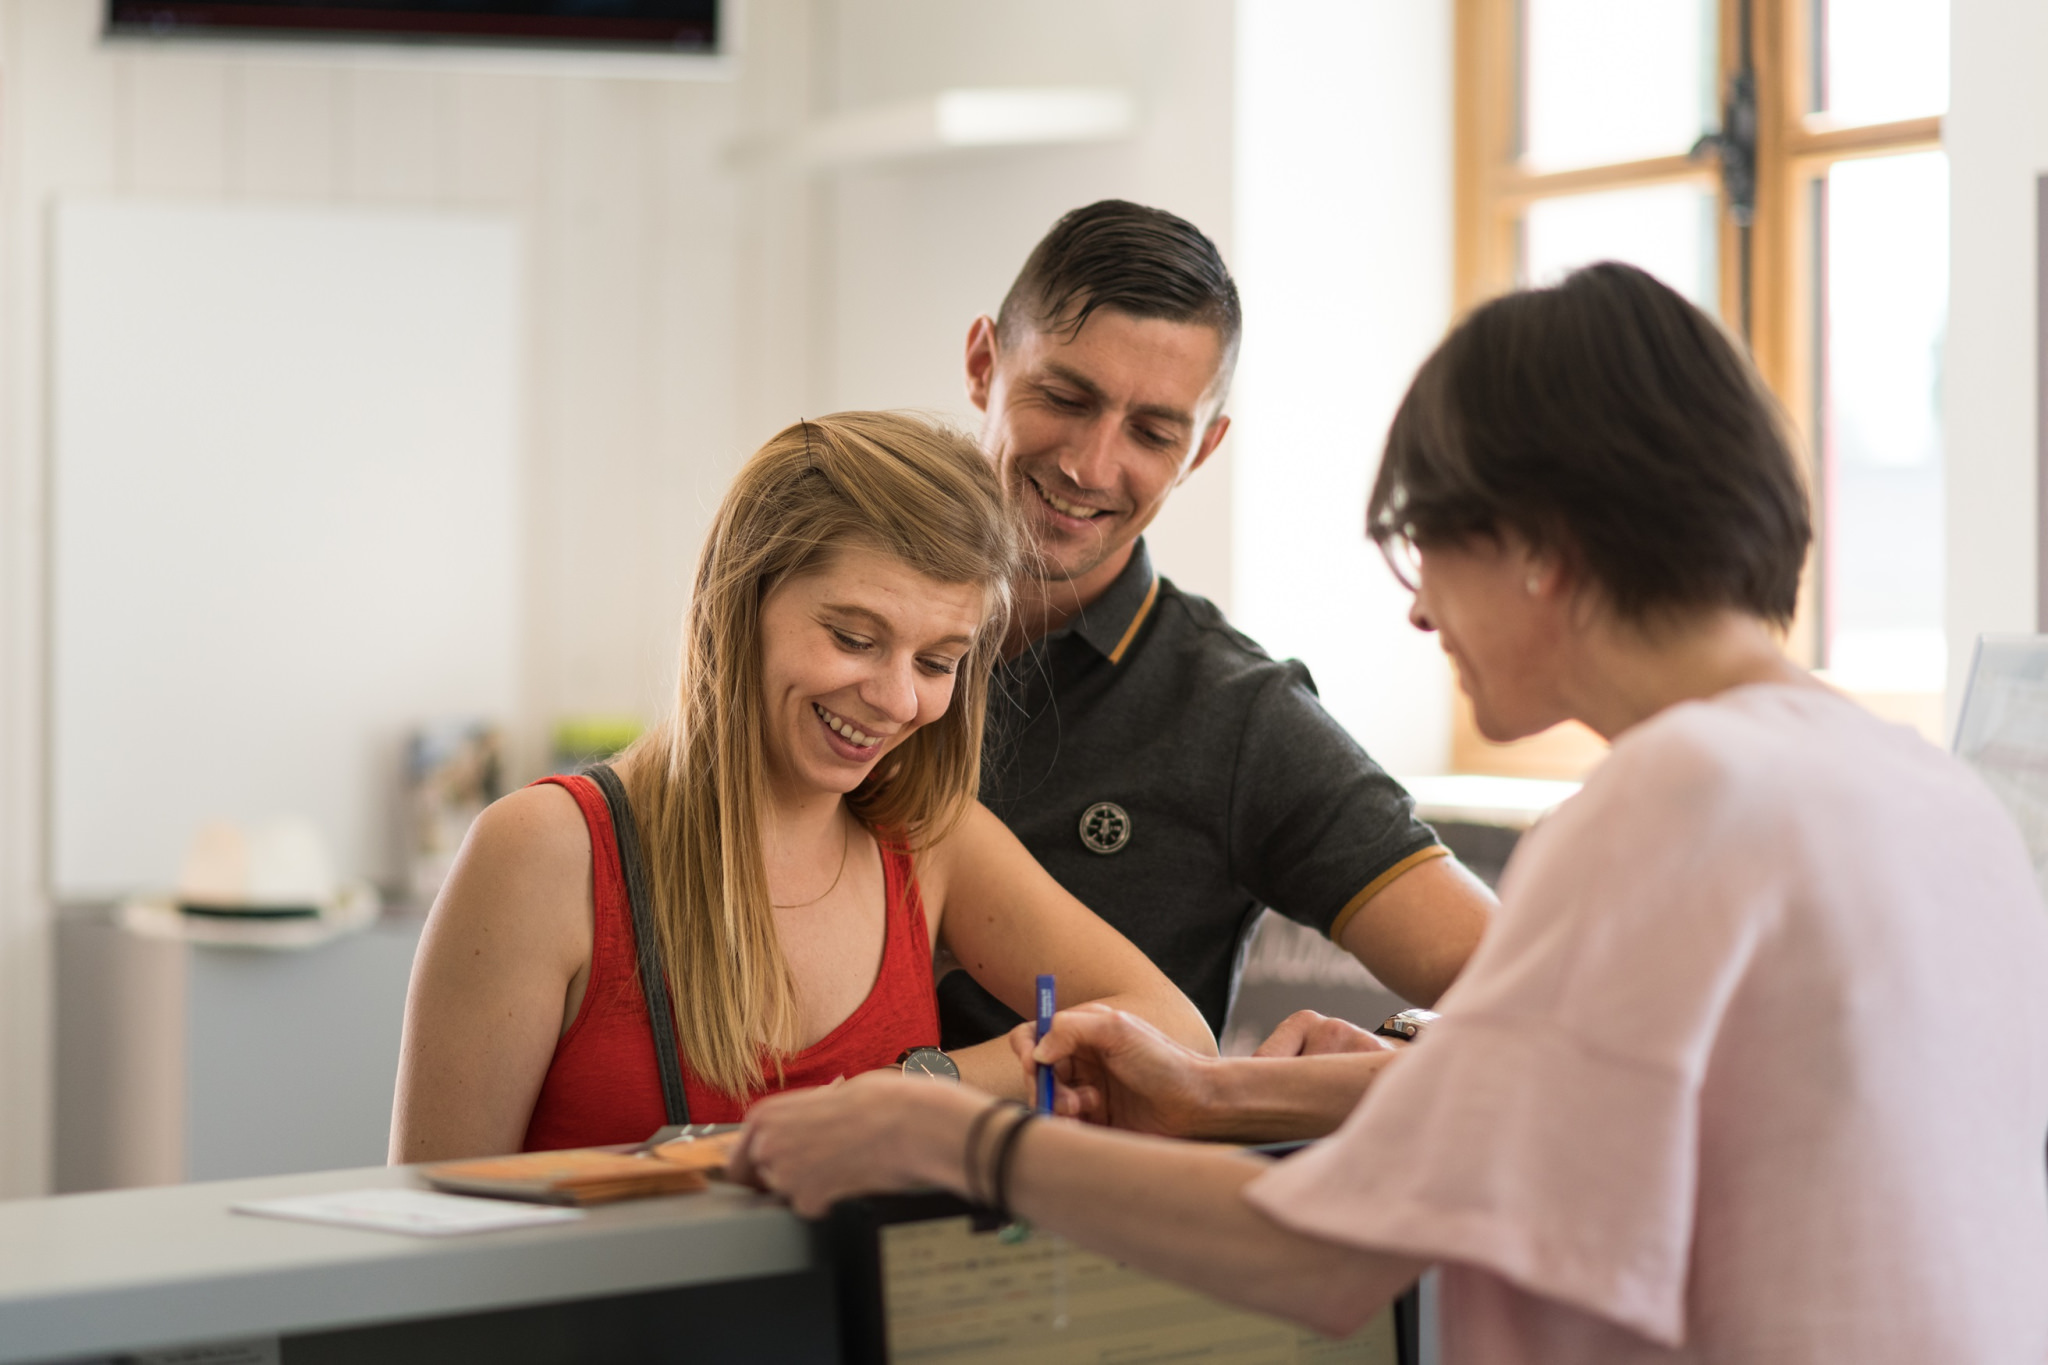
(1116, 1069)
(876, 1133)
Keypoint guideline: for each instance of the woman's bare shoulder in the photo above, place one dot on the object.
(525, 866)
(974, 842)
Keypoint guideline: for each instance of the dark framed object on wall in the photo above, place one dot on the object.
(623, 25)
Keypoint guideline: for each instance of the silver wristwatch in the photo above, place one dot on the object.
(1408, 1025)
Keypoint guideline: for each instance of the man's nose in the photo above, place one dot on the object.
(1418, 615)
(1091, 460)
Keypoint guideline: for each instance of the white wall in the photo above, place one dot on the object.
(658, 340)
(1996, 133)
(680, 312)
(1344, 259)
(915, 249)
(283, 510)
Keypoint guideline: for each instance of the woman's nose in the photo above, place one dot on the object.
(892, 691)
(1418, 615)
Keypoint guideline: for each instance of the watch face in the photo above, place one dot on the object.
(929, 1061)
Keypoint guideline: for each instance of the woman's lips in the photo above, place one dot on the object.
(842, 733)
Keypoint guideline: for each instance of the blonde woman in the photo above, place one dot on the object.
(800, 832)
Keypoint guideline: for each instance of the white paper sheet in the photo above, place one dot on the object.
(417, 1213)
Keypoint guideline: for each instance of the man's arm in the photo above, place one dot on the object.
(1320, 833)
(1416, 932)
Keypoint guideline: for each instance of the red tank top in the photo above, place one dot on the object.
(604, 1085)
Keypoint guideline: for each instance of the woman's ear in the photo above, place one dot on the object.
(1538, 569)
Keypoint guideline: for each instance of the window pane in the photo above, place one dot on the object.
(1668, 230)
(1884, 318)
(1881, 59)
(1615, 80)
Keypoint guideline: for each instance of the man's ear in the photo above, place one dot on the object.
(1211, 438)
(981, 360)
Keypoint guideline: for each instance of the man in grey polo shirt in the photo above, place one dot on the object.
(1159, 764)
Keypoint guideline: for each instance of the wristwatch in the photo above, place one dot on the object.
(1408, 1025)
(929, 1062)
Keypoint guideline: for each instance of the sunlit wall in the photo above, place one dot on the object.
(1344, 257)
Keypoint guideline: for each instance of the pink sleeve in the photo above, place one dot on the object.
(1526, 1135)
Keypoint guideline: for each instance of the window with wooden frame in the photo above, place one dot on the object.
(1778, 162)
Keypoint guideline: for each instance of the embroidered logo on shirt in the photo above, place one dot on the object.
(1105, 827)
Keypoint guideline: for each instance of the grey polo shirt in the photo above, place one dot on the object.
(1178, 781)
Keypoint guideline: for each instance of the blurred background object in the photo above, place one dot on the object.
(583, 740)
(453, 770)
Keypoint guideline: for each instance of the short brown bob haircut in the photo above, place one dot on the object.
(1611, 422)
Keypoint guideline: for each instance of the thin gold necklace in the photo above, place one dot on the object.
(845, 846)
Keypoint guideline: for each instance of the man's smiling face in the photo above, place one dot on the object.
(1091, 430)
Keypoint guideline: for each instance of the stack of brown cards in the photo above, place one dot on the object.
(587, 1176)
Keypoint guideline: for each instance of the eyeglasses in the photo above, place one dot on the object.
(1404, 559)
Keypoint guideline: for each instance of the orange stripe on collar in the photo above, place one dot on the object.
(1116, 656)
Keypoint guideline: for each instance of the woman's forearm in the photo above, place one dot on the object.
(1178, 1210)
(1172, 1013)
(1174, 1208)
(992, 1066)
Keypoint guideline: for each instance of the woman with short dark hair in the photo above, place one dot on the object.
(1753, 1066)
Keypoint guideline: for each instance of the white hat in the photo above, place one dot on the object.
(272, 885)
(280, 867)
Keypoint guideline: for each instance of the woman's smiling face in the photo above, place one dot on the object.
(1496, 607)
(855, 656)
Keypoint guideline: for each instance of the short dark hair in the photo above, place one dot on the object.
(1608, 419)
(1137, 260)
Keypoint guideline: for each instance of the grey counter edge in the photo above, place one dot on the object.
(500, 1270)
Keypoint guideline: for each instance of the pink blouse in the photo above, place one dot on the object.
(1753, 1067)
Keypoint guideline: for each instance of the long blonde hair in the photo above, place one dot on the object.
(871, 480)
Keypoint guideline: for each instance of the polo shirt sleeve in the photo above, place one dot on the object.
(1316, 827)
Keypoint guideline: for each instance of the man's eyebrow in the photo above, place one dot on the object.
(1158, 411)
(883, 624)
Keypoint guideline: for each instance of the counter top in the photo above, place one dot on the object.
(1471, 798)
(87, 1274)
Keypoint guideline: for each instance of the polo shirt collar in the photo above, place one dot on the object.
(1111, 621)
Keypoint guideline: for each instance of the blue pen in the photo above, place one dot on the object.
(1046, 1005)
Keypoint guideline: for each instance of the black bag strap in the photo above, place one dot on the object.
(652, 984)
